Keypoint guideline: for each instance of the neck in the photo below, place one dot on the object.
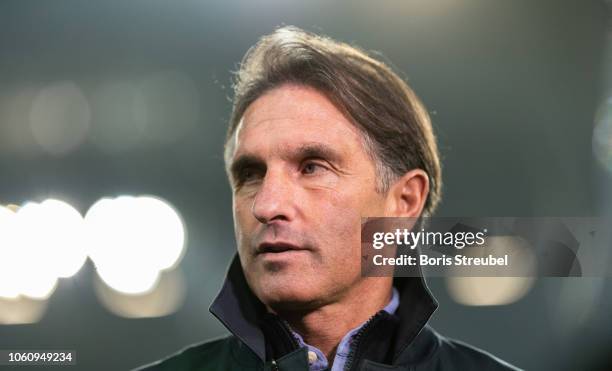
(325, 326)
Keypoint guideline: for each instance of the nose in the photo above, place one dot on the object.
(275, 199)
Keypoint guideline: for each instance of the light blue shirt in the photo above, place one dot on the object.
(345, 344)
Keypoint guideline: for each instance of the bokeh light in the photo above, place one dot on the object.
(60, 118)
(39, 243)
(132, 239)
(135, 243)
(29, 258)
(63, 235)
(489, 290)
(163, 299)
(21, 310)
(119, 118)
(15, 133)
(8, 255)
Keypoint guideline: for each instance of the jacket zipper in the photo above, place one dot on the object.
(285, 329)
(355, 352)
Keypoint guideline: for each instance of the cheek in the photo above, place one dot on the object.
(339, 216)
(349, 204)
(243, 221)
(339, 219)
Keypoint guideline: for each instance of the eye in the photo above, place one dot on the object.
(312, 167)
(247, 175)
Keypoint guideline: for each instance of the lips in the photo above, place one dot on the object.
(277, 247)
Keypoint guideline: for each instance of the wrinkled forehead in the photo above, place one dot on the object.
(290, 116)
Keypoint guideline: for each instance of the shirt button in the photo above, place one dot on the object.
(312, 357)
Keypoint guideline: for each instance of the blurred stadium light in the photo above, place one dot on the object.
(60, 117)
(15, 106)
(487, 291)
(8, 252)
(135, 243)
(21, 310)
(55, 230)
(27, 264)
(156, 109)
(118, 122)
(39, 243)
(132, 239)
(163, 299)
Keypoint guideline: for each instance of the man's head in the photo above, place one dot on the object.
(321, 135)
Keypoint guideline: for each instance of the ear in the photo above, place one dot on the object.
(406, 197)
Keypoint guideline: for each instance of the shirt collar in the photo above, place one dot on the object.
(344, 347)
(239, 310)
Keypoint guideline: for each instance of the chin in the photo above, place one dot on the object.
(288, 295)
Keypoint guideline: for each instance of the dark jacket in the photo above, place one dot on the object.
(261, 341)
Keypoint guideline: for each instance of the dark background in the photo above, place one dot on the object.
(513, 88)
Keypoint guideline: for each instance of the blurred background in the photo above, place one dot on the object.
(116, 226)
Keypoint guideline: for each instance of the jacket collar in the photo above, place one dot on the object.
(240, 310)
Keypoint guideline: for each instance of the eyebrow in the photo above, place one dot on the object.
(304, 151)
(317, 150)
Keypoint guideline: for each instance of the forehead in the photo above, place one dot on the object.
(291, 115)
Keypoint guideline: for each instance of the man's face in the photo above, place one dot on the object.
(301, 180)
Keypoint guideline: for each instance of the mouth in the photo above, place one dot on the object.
(277, 248)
